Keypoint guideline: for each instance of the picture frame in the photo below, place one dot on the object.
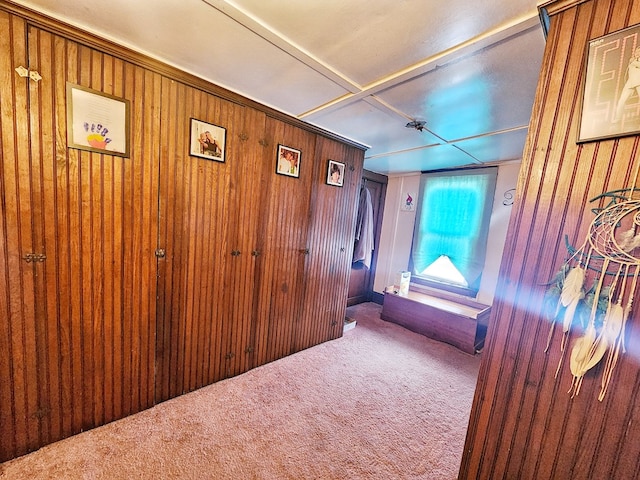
(207, 141)
(288, 161)
(97, 122)
(611, 91)
(335, 173)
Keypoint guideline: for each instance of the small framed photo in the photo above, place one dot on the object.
(611, 93)
(335, 173)
(207, 140)
(288, 161)
(96, 121)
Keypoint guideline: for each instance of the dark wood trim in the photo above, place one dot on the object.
(377, 298)
(375, 177)
(381, 180)
(384, 180)
(554, 7)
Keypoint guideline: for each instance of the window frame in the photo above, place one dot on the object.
(471, 291)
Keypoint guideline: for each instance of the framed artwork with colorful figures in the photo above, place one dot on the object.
(96, 121)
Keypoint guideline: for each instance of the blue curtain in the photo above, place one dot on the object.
(454, 211)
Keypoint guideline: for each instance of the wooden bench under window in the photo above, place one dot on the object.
(457, 321)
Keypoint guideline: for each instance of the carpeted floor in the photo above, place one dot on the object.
(379, 403)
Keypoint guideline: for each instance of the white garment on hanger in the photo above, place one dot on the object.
(364, 230)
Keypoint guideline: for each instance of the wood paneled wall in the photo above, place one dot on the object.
(524, 424)
(78, 324)
(128, 281)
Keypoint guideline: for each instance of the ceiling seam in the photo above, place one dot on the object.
(280, 41)
(449, 142)
(429, 64)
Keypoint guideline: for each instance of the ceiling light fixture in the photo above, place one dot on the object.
(417, 124)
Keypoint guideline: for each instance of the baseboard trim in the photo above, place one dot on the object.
(377, 298)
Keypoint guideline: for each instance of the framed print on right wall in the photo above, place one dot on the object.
(611, 93)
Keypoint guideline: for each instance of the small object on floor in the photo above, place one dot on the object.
(349, 323)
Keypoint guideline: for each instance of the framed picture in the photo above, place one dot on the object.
(335, 173)
(97, 122)
(288, 161)
(611, 94)
(207, 140)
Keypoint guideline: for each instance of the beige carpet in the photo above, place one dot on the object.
(379, 403)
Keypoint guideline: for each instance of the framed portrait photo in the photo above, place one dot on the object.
(335, 173)
(288, 161)
(207, 140)
(96, 121)
(611, 93)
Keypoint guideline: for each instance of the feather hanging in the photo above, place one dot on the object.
(613, 240)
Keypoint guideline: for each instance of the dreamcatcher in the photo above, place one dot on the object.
(596, 286)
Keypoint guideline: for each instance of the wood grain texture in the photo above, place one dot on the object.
(330, 241)
(103, 327)
(449, 322)
(523, 423)
(81, 322)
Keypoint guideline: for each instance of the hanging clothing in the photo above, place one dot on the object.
(364, 230)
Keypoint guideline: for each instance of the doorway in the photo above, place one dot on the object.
(362, 276)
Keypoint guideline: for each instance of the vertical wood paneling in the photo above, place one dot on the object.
(283, 242)
(17, 296)
(103, 328)
(82, 340)
(194, 215)
(524, 424)
(331, 241)
(249, 174)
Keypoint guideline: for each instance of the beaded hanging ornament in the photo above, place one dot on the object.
(596, 286)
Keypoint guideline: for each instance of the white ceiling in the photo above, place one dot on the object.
(360, 68)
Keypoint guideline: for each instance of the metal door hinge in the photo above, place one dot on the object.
(34, 257)
(32, 74)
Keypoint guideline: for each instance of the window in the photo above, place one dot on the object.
(452, 224)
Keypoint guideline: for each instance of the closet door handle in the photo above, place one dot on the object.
(235, 253)
(255, 253)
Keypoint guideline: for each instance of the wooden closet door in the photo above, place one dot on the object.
(98, 228)
(20, 392)
(194, 232)
(331, 231)
(246, 203)
(81, 316)
(283, 243)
